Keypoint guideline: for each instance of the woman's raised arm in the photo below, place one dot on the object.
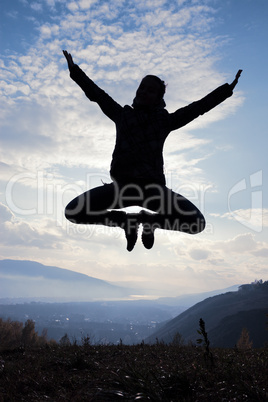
(69, 59)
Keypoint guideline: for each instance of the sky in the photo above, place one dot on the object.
(56, 144)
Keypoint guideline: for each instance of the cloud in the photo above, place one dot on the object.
(5, 214)
(244, 243)
(36, 6)
(117, 51)
(41, 234)
(86, 4)
(243, 248)
(199, 254)
(255, 218)
(199, 264)
(262, 252)
(72, 6)
(47, 31)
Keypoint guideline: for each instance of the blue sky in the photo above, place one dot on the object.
(55, 144)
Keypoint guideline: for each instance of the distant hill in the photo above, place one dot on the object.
(26, 281)
(225, 316)
(29, 279)
(189, 300)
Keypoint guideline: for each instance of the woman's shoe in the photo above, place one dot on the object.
(131, 230)
(147, 236)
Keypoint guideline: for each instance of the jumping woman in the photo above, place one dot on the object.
(136, 171)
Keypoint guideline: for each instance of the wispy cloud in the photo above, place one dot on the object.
(116, 44)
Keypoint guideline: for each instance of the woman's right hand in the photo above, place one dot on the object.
(235, 81)
(69, 59)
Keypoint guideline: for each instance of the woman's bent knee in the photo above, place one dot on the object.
(70, 214)
(198, 226)
(73, 210)
(202, 224)
(193, 226)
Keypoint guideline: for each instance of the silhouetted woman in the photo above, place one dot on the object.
(137, 162)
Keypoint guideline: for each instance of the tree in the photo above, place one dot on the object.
(29, 336)
(10, 333)
(243, 342)
(65, 341)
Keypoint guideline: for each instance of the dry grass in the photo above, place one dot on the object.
(128, 373)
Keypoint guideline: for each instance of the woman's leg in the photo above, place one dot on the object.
(172, 212)
(96, 207)
(92, 206)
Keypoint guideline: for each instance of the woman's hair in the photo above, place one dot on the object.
(161, 84)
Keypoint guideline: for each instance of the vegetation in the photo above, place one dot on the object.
(36, 370)
(13, 334)
(244, 342)
(208, 355)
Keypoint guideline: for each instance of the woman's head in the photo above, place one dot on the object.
(150, 91)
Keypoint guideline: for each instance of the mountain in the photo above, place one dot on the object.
(29, 279)
(225, 316)
(189, 300)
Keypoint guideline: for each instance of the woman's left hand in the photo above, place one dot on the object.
(69, 59)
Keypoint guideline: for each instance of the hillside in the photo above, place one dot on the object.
(31, 279)
(228, 331)
(190, 299)
(225, 316)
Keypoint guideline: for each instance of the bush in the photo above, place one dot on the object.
(243, 342)
(14, 334)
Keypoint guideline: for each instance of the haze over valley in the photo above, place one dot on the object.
(64, 302)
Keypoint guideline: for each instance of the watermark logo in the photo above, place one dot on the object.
(250, 217)
(32, 194)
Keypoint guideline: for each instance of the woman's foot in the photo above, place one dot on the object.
(149, 227)
(147, 236)
(131, 228)
(128, 222)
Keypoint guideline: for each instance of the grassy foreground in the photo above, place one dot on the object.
(128, 373)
